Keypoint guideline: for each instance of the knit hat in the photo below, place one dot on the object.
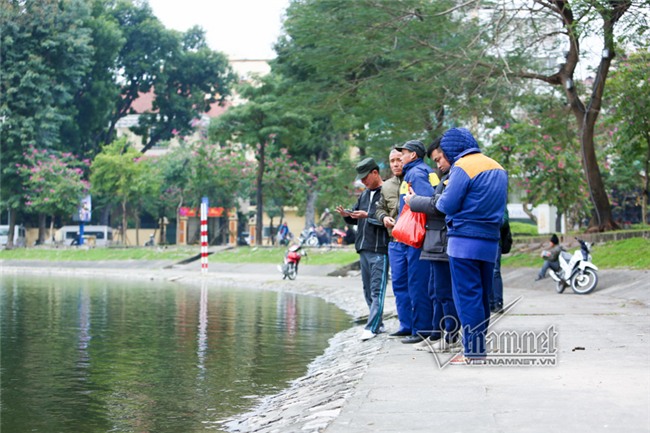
(554, 239)
(456, 141)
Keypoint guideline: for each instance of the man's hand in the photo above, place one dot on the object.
(407, 197)
(341, 211)
(389, 222)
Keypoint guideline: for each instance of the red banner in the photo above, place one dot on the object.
(213, 212)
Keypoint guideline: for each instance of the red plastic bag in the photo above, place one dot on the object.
(410, 228)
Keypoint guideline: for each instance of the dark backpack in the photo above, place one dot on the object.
(506, 238)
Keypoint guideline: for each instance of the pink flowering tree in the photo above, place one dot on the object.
(53, 184)
(629, 129)
(539, 152)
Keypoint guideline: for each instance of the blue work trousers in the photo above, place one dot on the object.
(418, 289)
(496, 294)
(374, 276)
(471, 282)
(400, 282)
(445, 317)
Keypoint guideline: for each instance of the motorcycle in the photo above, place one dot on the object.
(289, 267)
(337, 236)
(576, 271)
(309, 237)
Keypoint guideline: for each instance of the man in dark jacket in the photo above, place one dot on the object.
(371, 244)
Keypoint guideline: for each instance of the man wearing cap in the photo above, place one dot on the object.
(420, 177)
(474, 202)
(371, 244)
(387, 209)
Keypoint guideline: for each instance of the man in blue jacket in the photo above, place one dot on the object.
(474, 202)
(420, 177)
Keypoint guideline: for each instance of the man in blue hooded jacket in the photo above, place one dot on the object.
(474, 202)
(421, 178)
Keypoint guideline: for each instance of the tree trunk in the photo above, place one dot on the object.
(137, 229)
(529, 212)
(586, 116)
(646, 184)
(42, 223)
(52, 230)
(310, 208)
(12, 225)
(602, 207)
(123, 232)
(259, 196)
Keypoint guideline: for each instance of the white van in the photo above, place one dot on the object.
(19, 235)
(100, 236)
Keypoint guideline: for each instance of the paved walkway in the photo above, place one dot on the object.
(601, 382)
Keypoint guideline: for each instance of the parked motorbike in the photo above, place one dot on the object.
(576, 271)
(309, 237)
(289, 267)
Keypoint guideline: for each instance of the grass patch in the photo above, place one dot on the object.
(98, 254)
(631, 253)
(315, 256)
(523, 229)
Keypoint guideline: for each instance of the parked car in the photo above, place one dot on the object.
(19, 235)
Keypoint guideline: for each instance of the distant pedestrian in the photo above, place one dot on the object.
(327, 221)
(474, 201)
(371, 244)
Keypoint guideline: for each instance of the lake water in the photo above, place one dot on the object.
(81, 355)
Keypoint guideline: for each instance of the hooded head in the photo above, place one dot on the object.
(456, 141)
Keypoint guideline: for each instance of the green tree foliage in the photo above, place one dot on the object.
(390, 71)
(46, 52)
(630, 122)
(95, 97)
(559, 28)
(184, 73)
(538, 150)
(262, 125)
(221, 174)
(195, 170)
(115, 173)
(53, 183)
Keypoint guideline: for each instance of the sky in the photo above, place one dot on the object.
(242, 29)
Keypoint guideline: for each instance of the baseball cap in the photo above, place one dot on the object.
(365, 167)
(414, 146)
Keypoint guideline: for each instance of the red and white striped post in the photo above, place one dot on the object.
(204, 235)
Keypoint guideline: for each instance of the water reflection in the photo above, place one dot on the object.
(97, 356)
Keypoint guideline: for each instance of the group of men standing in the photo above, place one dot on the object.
(443, 287)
